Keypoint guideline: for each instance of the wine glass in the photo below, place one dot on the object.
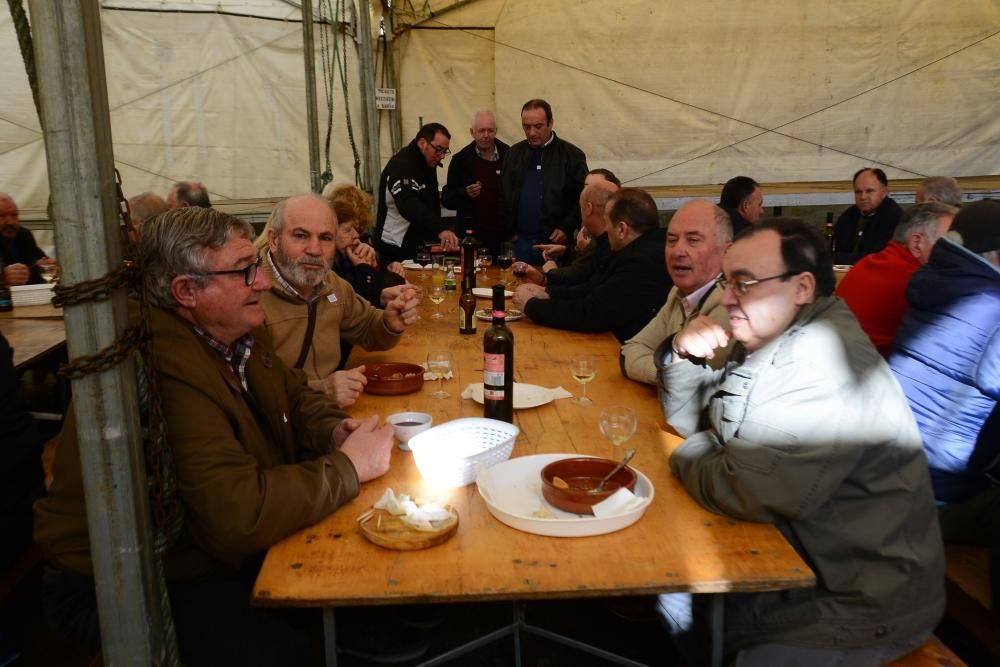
(485, 260)
(50, 272)
(618, 424)
(423, 259)
(436, 296)
(439, 364)
(583, 370)
(505, 259)
(437, 271)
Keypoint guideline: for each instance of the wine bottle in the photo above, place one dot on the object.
(467, 306)
(498, 364)
(831, 240)
(469, 258)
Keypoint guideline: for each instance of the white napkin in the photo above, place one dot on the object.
(619, 502)
(476, 390)
(420, 518)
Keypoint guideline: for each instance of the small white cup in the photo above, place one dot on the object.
(408, 424)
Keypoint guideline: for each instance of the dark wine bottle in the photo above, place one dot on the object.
(831, 240)
(467, 307)
(468, 245)
(498, 364)
(6, 298)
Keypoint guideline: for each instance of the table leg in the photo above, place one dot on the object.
(330, 636)
(716, 629)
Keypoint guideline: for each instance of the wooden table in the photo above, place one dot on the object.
(677, 546)
(32, 339)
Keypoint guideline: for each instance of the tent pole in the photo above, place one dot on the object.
(74, 105)
(374, 162)
(312, 122)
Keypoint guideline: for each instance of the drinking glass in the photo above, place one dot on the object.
(436, 296)
(618, 424)
(50, 272)
(485, 260)
(439, 364)
(583, 370)
(423, 259)
(437, 271)
(505, 259)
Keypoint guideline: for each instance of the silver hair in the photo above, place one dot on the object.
(277, 220)
(723, 226)
(488, 112)
(923, 219)
(175, 244)
(944, 189)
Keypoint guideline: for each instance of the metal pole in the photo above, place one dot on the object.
(395, 126)
(312, 121)
(74, 101)
(374, 163)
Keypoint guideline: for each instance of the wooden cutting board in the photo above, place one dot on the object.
(392, 532)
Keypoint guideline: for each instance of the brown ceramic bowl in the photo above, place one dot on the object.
(582, 474)
(392, 378)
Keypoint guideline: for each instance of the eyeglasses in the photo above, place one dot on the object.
(249, 272)
(741, 287)
(440, 150)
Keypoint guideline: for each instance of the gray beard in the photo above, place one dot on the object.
(293, 270)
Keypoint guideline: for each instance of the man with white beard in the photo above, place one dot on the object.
(309, 308)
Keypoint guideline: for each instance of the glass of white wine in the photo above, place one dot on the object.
(618, 424)
(439, 364)
(50, 272)
(583, 370)
(436, 296)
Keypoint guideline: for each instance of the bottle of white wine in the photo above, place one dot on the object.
(498, 364)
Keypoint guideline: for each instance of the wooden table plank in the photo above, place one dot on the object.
(676, 546)
(32, 339)
(43, 311)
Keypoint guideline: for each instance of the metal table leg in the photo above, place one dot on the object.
(330, 636)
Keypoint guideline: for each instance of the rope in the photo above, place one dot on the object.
(24, 43)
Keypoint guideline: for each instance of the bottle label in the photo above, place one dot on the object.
(493, 375)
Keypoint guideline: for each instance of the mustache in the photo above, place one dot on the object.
(311, 261)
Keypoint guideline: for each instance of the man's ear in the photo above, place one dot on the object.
(805, 288)
(272, 239)
(915, 244)
(184, 291)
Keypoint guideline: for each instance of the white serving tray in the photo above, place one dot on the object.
(512, 491)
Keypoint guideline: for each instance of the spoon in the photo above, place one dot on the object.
(629, 453)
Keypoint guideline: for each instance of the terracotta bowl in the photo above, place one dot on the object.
(393, 378)
(582, 474)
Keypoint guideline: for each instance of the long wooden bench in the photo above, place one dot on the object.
(933, 653)
(967, 576)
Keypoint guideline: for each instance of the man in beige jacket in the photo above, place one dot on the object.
(697, 236)
(309, 308)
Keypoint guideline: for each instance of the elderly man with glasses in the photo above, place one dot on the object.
(409, 208)
(806, 428)
(258, 454)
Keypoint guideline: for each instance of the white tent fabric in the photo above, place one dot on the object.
(660, 91)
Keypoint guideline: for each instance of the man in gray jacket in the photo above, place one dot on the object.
(807, 429)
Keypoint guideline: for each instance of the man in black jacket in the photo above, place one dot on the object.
(473, 187)
(867, 226)
(21, 260)
(628, 291)
(409, 208)
(742, 200)
(540, 185)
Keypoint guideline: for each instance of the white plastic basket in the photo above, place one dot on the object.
(449, 455)
(31, 295)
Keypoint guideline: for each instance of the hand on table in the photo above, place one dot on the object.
(368, 447)
(401, 311)
(700, 339)
(448, 240)
(16, 274)
(526, 273)
(525, 293)
(397, 268)
(344, 387)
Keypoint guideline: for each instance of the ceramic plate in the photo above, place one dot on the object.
(512, 492)
(487, 292)
(525, 395)
(410, 264)
(510, 315)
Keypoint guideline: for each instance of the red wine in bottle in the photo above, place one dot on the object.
(498, 364)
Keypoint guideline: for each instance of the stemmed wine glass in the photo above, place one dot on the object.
(439, 364)
(423, 259)
(583, 370)
(436, 296)
(618, 424)
(50, 272)
(485, 260)
(505, 259)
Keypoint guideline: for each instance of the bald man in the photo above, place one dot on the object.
(20, 256)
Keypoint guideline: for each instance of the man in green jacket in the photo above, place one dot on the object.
(806, 428)
(258, 454)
